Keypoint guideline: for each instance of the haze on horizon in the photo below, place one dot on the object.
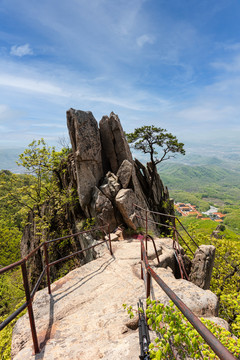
(171, 63)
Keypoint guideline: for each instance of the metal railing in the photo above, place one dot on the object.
(145, 218)
(176, 234)
(46, 270)
(206, 334)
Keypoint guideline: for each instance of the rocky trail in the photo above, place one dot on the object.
(84, 318)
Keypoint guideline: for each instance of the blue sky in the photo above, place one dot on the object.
(171, 63)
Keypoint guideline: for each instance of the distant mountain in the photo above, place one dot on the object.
(8, 158)
(198, 159)
(215, 177)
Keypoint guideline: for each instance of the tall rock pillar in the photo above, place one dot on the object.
(86, 145)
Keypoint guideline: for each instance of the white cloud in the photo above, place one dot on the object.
(230, 47)
(144, 39)
(30, 84)
(21, 50)
(231, 66)
(49, 125)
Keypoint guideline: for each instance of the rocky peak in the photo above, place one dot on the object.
(114, 145)
(109, 181)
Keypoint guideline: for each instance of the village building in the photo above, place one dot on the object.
(188, 209)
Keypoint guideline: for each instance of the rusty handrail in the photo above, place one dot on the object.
(176, 232)
(75, 253)
(168, 226)
(211, 340)
(178, 255)
(46, 269)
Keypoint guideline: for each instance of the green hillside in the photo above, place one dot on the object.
(211, 181)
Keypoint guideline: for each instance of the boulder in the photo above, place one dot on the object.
(124, 173)
(102, 209)
(124, 201)
(110, 186)
(202, 266)
(201, 302)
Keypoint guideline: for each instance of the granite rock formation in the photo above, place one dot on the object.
(109, 181)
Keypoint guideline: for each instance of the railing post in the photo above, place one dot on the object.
(141, 262)
(146, 233)
(174, 237)
(148, 284)
(110, 243)
(30, 309)
(47, 267)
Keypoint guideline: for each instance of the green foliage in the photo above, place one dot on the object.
(150, 138)
(173, 331)
(9, 244)
(225, 281)
(12, 202)
(41, 186)
(40, 191)
(11, 291)
(11, 297)
(198, 228)
(88, 223)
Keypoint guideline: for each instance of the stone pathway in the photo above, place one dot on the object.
(84, 319)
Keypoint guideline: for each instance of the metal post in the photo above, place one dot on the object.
(146, 233)
(47, 267)
(110, 243)
(174, 231)
(30, 309)
(141, 263)
(148, 284)
(174, 238)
